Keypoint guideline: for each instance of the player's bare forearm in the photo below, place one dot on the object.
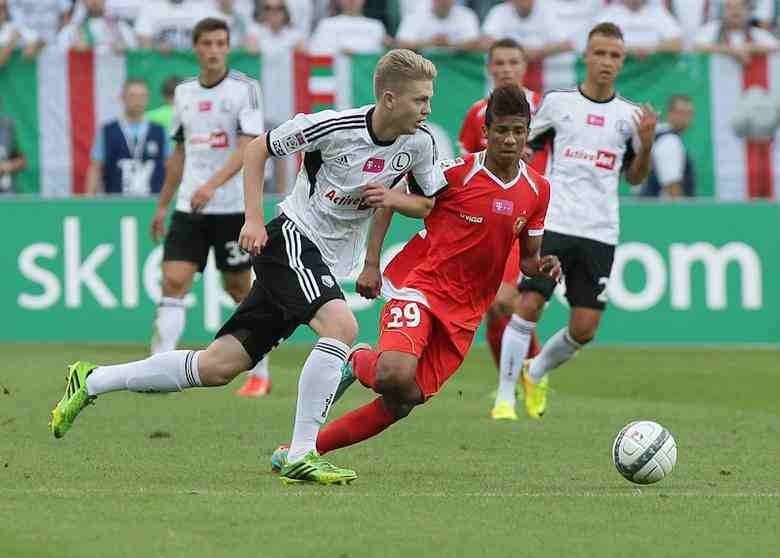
(412, 205)
(255, 156)
(380, 224)
(174, 169)
(232, 165)
(640, 166)
(530, 251)
(670, 45)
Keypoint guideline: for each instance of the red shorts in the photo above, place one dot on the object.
(512, 268)
(409, 327)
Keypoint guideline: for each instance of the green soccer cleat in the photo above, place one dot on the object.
(535, 394)
(348, 372)
(279, 458)
(503, 411)
(74, 400)
(313, 468)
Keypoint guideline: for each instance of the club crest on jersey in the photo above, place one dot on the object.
(623, 127)
(374, 165)
(204, 106)
(450, 163)
(401, 161)
(225, 105)
(327, 280)
(503, 207)
(292, 142)
(605, 159)
(595, 120)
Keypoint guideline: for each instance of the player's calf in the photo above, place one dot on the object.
(222, 361)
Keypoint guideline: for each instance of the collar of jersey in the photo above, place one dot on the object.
(213, 85)
(371, 133)
(479, 164)
(592, 100)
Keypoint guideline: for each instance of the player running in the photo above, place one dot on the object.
(506, 64)
(596, 134)
(216, 114)
(351, 160)
(442, 282)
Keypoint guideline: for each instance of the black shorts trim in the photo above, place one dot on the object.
(293, 283)
(586, 266)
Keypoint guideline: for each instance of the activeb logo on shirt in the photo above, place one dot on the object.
(374, 165)
(605, 159)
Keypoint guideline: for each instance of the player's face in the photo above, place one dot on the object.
(604, 58)
(507, 66)
(506, 137)
(212, 50)
(411, 106)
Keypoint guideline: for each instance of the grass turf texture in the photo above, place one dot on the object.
(187, 474)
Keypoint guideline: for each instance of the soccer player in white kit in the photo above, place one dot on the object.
(353, 159)
(596, 135)
(216, 114)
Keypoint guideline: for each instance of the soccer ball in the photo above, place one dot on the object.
(644, 452)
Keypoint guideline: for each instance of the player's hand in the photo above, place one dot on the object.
(157, 229)
(646, 120)
(369, 282)
(253, 236)
(375, 195)
(201, 197)
(550, 266)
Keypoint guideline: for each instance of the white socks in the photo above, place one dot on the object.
(168, 324)
(171, 371)
(558, 349)
(261, 369)
(514, 348)
(318, 382)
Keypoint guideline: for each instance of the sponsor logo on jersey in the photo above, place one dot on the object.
(215, 140)
(374, 165)
(605, 159)
(595, 120)
(401, 161)
(472, 219)
(345, 200)
(204, 106)
(503, 207)
(342, 161)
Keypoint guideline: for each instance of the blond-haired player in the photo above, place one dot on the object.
(352, 159)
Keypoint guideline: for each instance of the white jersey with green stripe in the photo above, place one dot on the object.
(341, 155)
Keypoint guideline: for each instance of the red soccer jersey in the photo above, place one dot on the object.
(471, 137)
(455, 266)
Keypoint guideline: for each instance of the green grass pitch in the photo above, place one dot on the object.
(187, 475)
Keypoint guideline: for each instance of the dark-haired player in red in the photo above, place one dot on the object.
(506, 64)
(442, 282)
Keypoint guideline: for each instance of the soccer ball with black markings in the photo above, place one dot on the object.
(644, 452)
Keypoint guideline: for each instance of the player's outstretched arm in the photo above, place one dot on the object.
(369, 282)
(174, 168)
(203, 195)
(253, 236)
(397, 199)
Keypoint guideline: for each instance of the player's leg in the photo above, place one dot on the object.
(164, 372)
(586, 283)
(184, 253)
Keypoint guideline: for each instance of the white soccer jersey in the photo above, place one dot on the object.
(592, 142)
(209, 120)
(342, 155)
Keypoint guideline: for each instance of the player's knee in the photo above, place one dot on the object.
(175, 285)
(529, 306)
(583, 333)
(395, 379)
(236, 292)
(345, 329)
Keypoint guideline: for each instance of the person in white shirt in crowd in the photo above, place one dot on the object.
(97, 31)
(441, 26)
(237, 21)
(45, 17)
(350, 32)
(671, 172)
(13, 35)
(276, 40)
(531, 23)
(573, 18)
(647, 28)
(167, 24)
(733, 35)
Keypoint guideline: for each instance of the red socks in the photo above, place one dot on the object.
(364, 366)
(495, 331)
(355, 426)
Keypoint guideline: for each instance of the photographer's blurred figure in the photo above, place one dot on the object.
(672, 173)
(129, 153)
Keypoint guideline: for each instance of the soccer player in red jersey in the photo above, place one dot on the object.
(506, 64)
(442, 282)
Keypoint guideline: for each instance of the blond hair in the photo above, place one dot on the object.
(399, 66)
